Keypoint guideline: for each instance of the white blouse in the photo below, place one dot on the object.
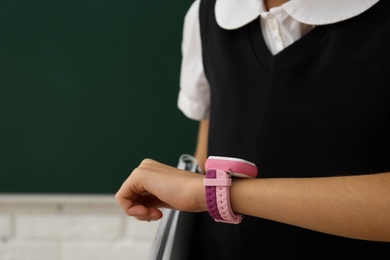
(281, 26)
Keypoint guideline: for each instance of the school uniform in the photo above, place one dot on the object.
(302, 91)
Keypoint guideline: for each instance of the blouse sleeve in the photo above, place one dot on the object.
(194, 94)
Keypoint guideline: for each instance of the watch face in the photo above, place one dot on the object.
(237, 167)
(232, 159)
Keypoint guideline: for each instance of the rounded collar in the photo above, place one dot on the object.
(233, 14)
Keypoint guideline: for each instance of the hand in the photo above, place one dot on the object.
(153, 185)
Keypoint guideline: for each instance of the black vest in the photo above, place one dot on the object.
(321, 107)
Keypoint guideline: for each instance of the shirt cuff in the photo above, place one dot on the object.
(192, 109)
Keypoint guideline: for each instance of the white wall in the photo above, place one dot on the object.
(70, 227)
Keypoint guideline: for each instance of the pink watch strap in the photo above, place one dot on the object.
(210, 190)
(219, 171)
(223, 201)
(217, 184)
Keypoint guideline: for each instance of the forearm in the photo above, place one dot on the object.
(355, 206)
(201, 146)
(351, 206)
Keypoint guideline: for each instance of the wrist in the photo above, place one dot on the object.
(238, 197)
(218, 181)
(199, 198)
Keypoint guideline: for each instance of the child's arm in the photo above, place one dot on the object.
(201, 146)
(350, 206)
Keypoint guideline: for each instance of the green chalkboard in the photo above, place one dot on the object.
(88, 88)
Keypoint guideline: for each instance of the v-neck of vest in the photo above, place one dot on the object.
(273, 64)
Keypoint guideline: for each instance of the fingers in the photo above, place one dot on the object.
(126, 197)
(153, 185)
(149, 209)
(143, 207)
(134, 198)
(141, 212)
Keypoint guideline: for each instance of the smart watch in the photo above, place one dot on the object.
(219, 171)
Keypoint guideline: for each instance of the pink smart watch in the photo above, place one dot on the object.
(219, 171)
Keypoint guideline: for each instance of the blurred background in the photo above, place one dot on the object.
(87, 90)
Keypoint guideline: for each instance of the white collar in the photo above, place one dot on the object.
(232, 14)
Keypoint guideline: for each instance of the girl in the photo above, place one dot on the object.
(301, 89)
